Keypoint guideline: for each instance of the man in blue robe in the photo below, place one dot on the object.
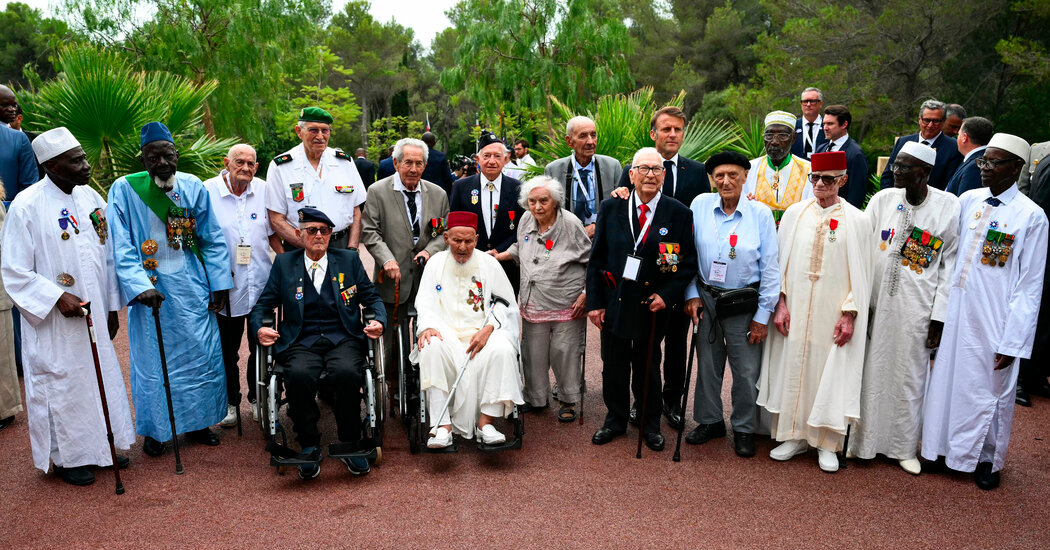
(170, 254)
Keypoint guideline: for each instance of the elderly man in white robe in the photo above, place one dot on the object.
(56, 256)
(811, 379)
(455, 293)
(916, 230)
(993, 304)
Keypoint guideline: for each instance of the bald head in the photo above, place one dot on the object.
(241, 164)
(8, 105)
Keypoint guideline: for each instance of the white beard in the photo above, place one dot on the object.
(167, 184)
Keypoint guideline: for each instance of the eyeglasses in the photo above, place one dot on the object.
(931, 121)
(810, 101)
(902, 168)
(991, 164)
(646, 170)
(311, 231)
(322, 131)
(777, 136)
(826, 180)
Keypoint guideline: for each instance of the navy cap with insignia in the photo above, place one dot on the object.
(310, 214)
(487, 138)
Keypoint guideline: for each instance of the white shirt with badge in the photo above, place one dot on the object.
(293, 184)
(633, 265)
(489, 198)
(246, 229)
(400, 188)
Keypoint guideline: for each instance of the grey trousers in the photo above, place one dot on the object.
(557, 346)
(730, 340)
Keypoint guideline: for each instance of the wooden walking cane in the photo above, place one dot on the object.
(102, 394)
(645, 385)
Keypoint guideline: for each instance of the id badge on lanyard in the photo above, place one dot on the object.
(633, 263)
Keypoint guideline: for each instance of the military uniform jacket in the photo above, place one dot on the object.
(292, 183)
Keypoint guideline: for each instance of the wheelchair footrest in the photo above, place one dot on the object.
(453, 448)
(284, 456)
(505, 446)
(351, 450)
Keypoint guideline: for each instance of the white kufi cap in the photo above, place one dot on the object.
(922, 152)
(52, 143)
(780, 117)
(1012, 144)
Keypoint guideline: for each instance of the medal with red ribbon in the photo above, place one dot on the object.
(511, 214)
(833, 224)
(926, 237)
(548, 246)
(732, 246)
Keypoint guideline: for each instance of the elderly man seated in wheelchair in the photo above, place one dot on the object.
(467, 330)
(321, 291)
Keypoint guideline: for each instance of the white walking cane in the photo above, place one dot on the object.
(463, 368)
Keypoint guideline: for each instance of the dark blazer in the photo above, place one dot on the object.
(625, 315)
(386, 168)
(438, 172)
(948, 161)
(856, 187)
(690, 180)
(366, 169)
(605, 177)
(503, 236)
(288, 275)
(798, 148)
(967, 177)
(18, 168)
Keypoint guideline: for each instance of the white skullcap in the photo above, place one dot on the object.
(780, 117)
(1012, 144)
(52, 143)
(922, 152)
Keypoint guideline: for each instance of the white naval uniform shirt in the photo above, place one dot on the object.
(336, 191)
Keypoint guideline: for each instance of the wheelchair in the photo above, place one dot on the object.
(271, 397)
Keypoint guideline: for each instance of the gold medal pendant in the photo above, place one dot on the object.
(904, 261)
(918, 270)
(65, 236)
(882, 246)
(984, 260)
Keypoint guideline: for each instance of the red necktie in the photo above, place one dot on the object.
(641, 221)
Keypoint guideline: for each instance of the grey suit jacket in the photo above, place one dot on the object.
(1039, 152)
(607, 177)
(387, 232)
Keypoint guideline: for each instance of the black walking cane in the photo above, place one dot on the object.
(645, 385)
(102, 394)
(845, 446)
(685, 394)
(167, 391)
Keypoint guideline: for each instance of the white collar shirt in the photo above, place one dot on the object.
(811, 139)
(974, 152)
(399, 186)
(322, 268)
(489, 199)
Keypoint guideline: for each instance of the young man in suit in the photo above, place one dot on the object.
(641, 261)
(588, 177)
(837, 121)
(931, 120)
(974, 135)
(365, 167)
(322, 291)
(809, 129)
(493, 197)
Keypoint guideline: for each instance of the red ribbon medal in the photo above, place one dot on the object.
(926, 237)
(549, 244)
(732, 240)
(663, 248)
(833, 224)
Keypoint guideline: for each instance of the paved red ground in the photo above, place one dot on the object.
(558, 491)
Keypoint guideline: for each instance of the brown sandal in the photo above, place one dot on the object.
(567, 413)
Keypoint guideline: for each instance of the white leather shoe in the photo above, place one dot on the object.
(489, 435)
(442, 439)
(231, 417)
(829, 461)
(912, 466)
(789, 449)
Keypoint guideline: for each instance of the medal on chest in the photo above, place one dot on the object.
(98, 221)
(182, 228)
(776, 180)
(344, 188)
(920, 250)
(667, 259)
(149, 248)
(65, 221)
(732, 246)
(547, 249)
(833, 224)
(473, 196)
(437, 226)
(475, 294)
(997, 248)
(511, 214)
(887, 238)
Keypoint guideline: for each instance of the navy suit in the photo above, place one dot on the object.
(798, 148)
(856, 187)
(366, 169)
(386, 168)
(1033, 371)
(438, 172)
(18, 168)
(967, 177)
(625, 333)
(689, 182)
(502, 235)
(948, 161)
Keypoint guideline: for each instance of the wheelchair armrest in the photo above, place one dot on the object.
(412, 313)
(269, 319)
(369, 315)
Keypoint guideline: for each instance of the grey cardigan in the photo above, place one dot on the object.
(551, 283)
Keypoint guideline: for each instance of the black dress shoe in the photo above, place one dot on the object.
(75, 476)
(152, 447)
(604, 435)
(705, 432)
(673, 414)
(123, 462)
(5, 422)
(1022, 398)
(744, 444)
(633, 416)
(654, 441)
(1042, 390)
(984, 477)
(204, 437)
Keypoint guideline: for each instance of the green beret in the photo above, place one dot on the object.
(315, 114)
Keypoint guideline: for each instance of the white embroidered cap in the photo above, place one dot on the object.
(1012, 144)
(922, 152)
(52, 143)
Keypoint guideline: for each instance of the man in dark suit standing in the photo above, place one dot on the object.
(974, 135)
(437, 170)
(642, 259)
(493, 197)
(684, 179)
(386, 164)
(322, 291)
(837, 120)
(809, 128)
(931, 120)
(1032, 374)
(587, 176)
(365, 167)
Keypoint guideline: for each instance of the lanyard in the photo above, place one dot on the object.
(579, 182)
(242, 203)
(718, 232)
(630, 222)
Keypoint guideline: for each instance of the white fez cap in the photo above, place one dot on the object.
(1011, 144)
(780, 117)
(922, 152)
(52, 143)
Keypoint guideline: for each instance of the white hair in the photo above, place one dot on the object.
(233, 149)
(557, 190)
(399, 148)
(575, 121)
(820, 94)
(644, 151)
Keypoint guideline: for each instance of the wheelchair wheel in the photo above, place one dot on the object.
(414, 440)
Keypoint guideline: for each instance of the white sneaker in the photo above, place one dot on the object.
(231, 417)
(489, 435)
(828, 461)
(255, 411)
(911, 465)
(789, 449)
(442, 439)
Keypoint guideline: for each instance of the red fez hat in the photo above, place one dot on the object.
(832, 160)
(464, 219)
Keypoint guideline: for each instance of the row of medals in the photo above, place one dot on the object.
(101, 228)
(475, 298)
(996, 251)
(914, 258)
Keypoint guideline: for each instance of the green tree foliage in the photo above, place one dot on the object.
(338, 101)
(386, 131)
(451, 114)
(519, 53)
(28, 40)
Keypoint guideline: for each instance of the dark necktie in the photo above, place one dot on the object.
(582, 207)
(993, 201)
(926, 142)
(831, 146)
(811, 141)
(410, 199)
(669, 178)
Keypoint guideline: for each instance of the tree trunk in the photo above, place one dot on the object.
(209, 124)
(364, 124)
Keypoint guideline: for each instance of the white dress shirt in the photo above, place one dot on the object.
(322, 267)
(488, 199)
(400, 188)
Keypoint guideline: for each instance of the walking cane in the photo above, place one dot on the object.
(239, 432)
(685, 394)
(167, 391)
(845, 446)
(645, 385)
(399, 336)
(102, 394)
